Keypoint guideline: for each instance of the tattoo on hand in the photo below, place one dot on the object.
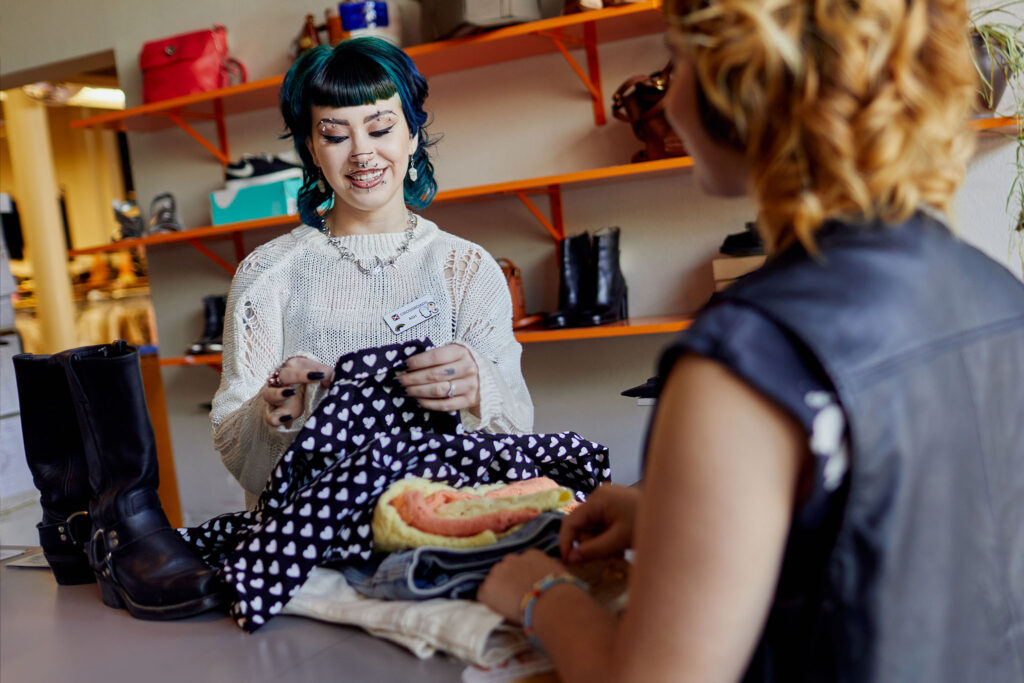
(449, 371)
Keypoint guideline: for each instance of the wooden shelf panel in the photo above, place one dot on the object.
(207, 359)
(457, 54)
(525, 40)
(624, 328)
(591, 176)
(228, 230)
(237, 99)
(993, 123)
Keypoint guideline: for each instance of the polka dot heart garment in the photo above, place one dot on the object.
(365, 435)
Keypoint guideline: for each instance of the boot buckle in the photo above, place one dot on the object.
(77, 525)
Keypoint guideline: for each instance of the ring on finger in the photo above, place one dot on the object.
(275, 379)
(451, 388)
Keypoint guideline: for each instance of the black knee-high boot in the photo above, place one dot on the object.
(140, 561)
(53, 450)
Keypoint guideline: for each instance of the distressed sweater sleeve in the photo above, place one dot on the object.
(253, 348)
(483, 324)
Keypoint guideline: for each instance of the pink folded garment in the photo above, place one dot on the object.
(422, 512)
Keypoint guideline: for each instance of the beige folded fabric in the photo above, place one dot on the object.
(462, 628)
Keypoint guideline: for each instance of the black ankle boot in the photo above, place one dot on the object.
(576, 281)
(610, 292)
(213, 327)
(140, 561)
(53, 450)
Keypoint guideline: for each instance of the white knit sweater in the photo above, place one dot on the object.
(294, 296)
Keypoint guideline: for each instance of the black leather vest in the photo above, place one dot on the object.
(922, 337)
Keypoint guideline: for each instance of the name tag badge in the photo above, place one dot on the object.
(412, 314)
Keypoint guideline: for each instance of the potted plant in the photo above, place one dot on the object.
(998, 35)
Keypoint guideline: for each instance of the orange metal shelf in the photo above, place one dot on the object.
(457, 54)
(647, 168)
(233, 230)
(993, 123)
(204, 234)
(624, 328)
(208, 359)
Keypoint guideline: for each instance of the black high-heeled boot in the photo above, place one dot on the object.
(53, 450)
(610, 291)
(576, 281)
(142, 564)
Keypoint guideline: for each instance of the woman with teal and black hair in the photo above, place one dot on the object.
(362, 271)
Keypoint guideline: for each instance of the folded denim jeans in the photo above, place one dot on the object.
(432, 572)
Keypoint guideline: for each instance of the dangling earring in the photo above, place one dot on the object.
(413, 173)
(320, 185)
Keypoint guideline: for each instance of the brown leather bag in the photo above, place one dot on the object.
(514, 278)
(640, 101)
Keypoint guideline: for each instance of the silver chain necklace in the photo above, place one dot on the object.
(377, 265)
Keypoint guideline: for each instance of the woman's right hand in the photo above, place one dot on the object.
(286, 397)
(602, 526)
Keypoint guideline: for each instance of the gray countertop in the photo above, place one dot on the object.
(51, 633)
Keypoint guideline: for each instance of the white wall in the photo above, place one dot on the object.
(516, 120)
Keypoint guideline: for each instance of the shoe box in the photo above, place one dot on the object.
(257, 201)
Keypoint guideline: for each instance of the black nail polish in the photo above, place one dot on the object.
(286, 418)
(288, 392)
(315, 375)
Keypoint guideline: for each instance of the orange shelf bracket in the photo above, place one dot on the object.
(222, 153)
(236, 237)
(222, 131)
(591, 79)
(209, 253)
(555, 226)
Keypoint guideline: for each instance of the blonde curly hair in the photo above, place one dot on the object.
(842, 107)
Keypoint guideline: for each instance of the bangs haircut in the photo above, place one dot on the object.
(351, 79)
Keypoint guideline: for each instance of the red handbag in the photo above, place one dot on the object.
(188, 63)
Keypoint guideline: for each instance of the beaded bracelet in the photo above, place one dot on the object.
(538, 589)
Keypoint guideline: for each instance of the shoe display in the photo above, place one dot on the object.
(648, 389)
(575, 283)
(163, 215)
(129, 220)
(610, 292)
(213, 327)
(746, 243)
(260, 169)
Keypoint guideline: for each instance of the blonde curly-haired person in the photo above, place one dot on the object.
(834, 484)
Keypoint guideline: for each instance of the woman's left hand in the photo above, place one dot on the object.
(444, 378)
(512, 578)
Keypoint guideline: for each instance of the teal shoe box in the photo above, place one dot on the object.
(258, 201)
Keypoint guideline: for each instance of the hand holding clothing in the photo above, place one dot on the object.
(514, 577)
(285, 392)
(445, 378)
(602, 526)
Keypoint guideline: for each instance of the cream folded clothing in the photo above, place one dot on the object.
(462, 628)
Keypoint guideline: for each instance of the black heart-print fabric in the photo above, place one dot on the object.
(365, 435)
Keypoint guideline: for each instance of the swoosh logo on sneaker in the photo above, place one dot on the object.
(244, 171)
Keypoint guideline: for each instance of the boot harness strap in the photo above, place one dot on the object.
(74, 530)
